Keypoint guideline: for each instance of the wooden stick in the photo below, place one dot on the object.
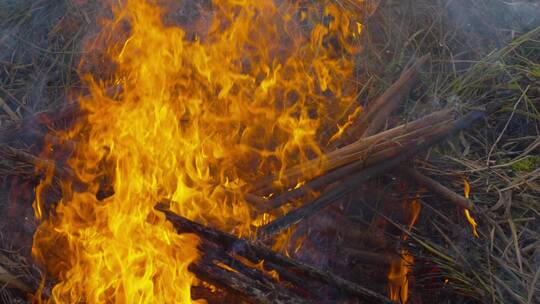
(11, 281)
(22, 275)
(308, 210)
(41, 164)
(349, 153)
(392, 98)
(358, 161)
(244, 287)
(255, 253)
(213, 252)
(437, 188)
(373, 119)
(366, 257)
(211, 296)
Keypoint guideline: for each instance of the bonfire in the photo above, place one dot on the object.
(269, 151)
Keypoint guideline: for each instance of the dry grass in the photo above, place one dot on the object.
(480, 57)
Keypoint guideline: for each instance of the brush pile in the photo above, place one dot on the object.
(430, 195)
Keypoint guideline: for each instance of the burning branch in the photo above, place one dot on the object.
(286, 267)
(309, 209)
(362, 153)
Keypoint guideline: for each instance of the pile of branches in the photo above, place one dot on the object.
(228, 261)
(503, 272)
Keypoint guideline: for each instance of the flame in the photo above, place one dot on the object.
(401, 267)
(350, 120)
(398, 283)
(470, 219)
(204, 109)
(259, 266)
(415, 208)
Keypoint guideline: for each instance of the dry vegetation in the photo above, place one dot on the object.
(482, 53)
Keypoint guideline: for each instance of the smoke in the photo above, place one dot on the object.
(495, 20)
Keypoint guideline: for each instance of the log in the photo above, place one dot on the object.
(255, 253)
(211, 296)
(351, 183)
(211, 251)
(437, 188)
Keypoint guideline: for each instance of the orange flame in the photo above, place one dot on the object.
(470, 219)
(244, 93)
(401, 267)
(398, 282)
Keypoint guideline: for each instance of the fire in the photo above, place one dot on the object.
(204, 109)
(470, 219)
(401, 267)
(398, 281)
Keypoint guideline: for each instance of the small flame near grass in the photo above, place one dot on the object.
(401, 267)
(470, 219)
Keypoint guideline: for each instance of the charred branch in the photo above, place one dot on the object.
(241, 285)
(255, 253)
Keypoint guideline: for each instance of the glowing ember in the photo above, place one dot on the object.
(202, 113)
(467, 191)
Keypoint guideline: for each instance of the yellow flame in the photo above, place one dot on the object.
(359, 27)
(299, 184)
(281, 241)
(205, 109)
(466, 188)
(470, 219)
(415, 212)
(350, 119)
(260, 266)
(473, 223)
(226, 267)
